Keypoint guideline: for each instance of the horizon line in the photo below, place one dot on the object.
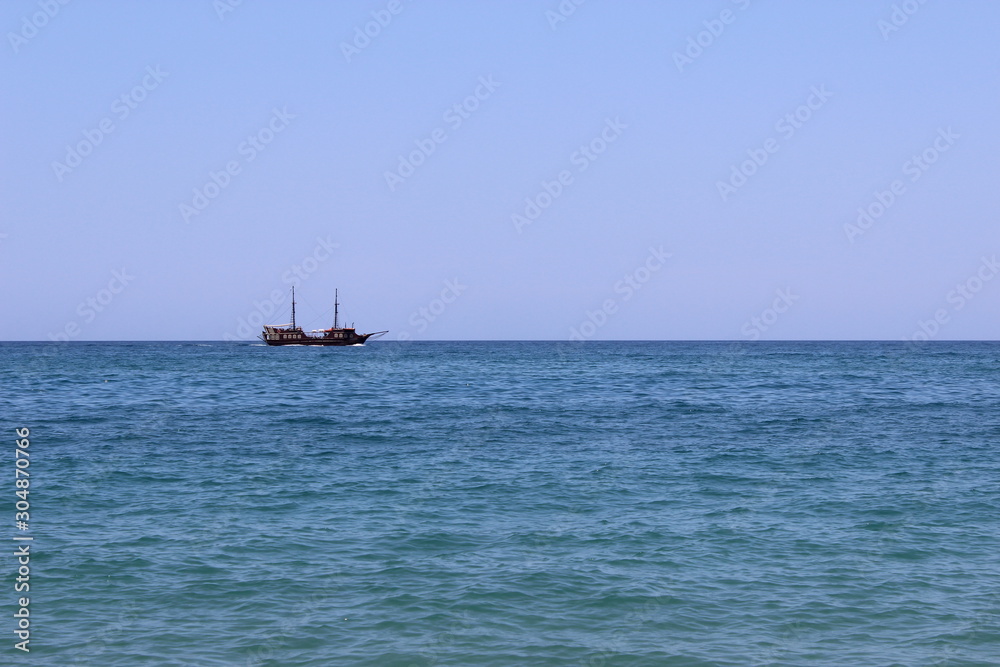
(547, 340)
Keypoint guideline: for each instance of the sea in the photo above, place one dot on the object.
(417, 504)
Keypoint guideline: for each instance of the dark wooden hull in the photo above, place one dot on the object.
(336, 336)
(305, 339)
(291, 335)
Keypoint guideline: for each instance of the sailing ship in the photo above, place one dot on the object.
(290, 334)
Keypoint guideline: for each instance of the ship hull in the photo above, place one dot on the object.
(336, 336)
(358, 339)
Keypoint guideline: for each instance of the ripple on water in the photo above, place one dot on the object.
(499, 504)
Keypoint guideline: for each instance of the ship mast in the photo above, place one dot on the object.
(336, 305)
(293, 306)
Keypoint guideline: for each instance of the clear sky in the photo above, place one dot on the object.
(501, 170)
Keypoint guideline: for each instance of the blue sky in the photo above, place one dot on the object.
(501, 170)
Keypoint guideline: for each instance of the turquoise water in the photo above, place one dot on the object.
(473, 503)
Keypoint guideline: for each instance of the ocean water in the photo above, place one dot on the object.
(481, 503)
